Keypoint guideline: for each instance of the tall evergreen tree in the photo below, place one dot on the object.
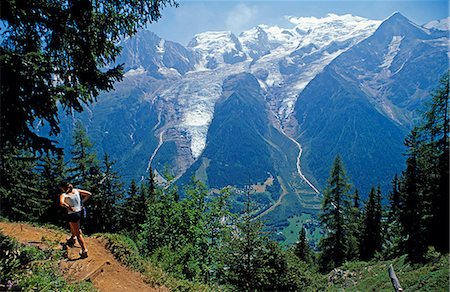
(411, 215)
(391, 247)
(134, 209)
(371, 229)
(301, 249)
(334, 217)
(20, 197)
(52, 171)
(394, 200)
(107, 200)
(354, 228)
(436, 148)
(85, 166)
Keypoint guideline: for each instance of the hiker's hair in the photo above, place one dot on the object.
(66, 184)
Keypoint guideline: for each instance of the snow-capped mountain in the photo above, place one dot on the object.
(339, 84)
(368, 97)
(216, 49)
(441, 24)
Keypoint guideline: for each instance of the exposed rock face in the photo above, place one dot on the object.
(340, 84)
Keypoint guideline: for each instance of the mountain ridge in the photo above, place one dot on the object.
(324, 92)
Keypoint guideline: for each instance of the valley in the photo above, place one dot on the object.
(271, 101)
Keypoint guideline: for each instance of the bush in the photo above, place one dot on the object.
(124, 250)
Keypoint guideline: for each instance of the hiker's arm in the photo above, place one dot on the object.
(85, 194)
(64, 204)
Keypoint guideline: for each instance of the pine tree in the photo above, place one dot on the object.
(410, 200)
(301, 249)
(334, 217)
(151, 185)
(371, 228)
(436, 149)
(391, 246)
(20, 197)
(106, 201)
(52, 171)
(217, 231)
(394, 200)
(354, 228)
(84, 170)
(134, 209)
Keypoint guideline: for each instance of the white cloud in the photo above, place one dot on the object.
(240, 17)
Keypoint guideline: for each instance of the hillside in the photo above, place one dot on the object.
(103, 270)
(373, 275)
(100, 268)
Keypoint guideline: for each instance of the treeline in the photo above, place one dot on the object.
(190, 233)
(193, 235)
(417, 216)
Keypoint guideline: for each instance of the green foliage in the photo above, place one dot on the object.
(188, 232)
(252, 261)
(301, 249)
(58, 53)
(335, 217)
(371, 228)
(52, 171)
(20, 197)
(106, 202)
(84, 163)
(373, 275)
(125, 250)
(30, 269)
(301, 276)
(423, 191)
(134, 209)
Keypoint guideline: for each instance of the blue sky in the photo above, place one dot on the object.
(191, 17)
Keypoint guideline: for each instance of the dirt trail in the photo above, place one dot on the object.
(100, 267)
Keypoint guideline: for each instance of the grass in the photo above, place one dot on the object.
(373, 276)
(291, 232)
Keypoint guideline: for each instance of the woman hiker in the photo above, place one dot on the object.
(71, 199)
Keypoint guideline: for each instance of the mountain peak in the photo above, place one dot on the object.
(442, 24)
(397, 16)
(398, 24)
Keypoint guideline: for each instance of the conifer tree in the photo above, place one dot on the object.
(20, 197)
(84, 170)
(334, 217)
(394, 200)
(436, 148)
(52, 171)
(301, 249)
(411, 215)
(354, 228)
(106, 201)
(391, 246)
(134, 209)
(371, 228)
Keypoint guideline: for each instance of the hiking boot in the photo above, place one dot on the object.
(70, 242)
(84, 254)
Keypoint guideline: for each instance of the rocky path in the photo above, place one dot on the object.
(100, 267)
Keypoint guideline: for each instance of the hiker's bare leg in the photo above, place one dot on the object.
(79, 236)
(72, 231)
